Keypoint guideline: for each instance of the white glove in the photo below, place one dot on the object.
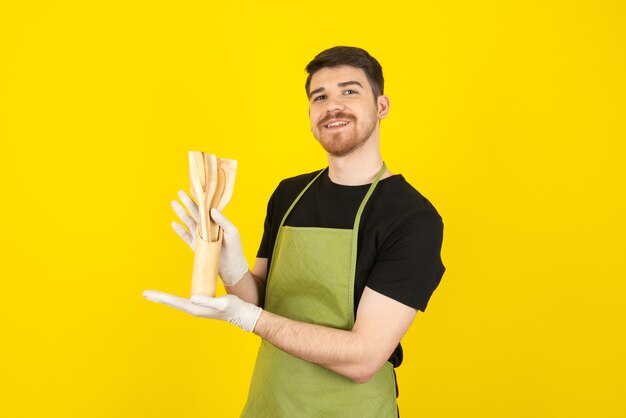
(233, 265)
(191, 222)
(226, 308)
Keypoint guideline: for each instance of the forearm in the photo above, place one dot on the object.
(344, 352)
(249, 288)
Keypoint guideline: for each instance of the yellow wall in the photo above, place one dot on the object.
(508, 116)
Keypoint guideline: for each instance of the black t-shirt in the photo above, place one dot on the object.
(399, 240)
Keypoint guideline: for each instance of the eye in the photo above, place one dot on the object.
(319, 98)
(349, 91)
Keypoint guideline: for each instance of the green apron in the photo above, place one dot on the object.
(311, 279)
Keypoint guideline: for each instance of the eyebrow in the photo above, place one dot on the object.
(350, 83)
(344, 84)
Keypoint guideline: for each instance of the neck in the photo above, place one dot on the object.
(359, 167)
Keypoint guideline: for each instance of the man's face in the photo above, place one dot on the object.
(343, 111)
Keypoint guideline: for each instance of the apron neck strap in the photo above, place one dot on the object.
(358, 215)
(355, 239)
(299, 196)
(367, 196)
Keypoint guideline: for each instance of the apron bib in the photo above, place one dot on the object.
(311, 279)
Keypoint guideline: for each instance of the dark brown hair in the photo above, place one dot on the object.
(353, 57)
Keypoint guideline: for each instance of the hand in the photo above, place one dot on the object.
(233, 264)
(226, 308)
(191, 222)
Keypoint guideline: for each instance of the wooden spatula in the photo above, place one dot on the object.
(198, 177)
(230, 172)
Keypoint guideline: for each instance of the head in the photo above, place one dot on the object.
(346, 101)
(352, 57)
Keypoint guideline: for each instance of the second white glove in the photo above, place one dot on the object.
(233, 265)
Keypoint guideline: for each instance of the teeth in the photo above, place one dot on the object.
(338, 123)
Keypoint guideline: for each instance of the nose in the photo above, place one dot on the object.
(334, 104)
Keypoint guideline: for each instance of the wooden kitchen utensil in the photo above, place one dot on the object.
(227, 171)
(210, 163)
(221, 182)
(198, 177)
(230, 171)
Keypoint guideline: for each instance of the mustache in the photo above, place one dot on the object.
(337, 115)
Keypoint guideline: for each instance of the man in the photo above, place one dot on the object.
(348, 256)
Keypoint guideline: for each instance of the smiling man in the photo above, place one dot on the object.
(349, 255)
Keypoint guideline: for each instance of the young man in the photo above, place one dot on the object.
(348, 256)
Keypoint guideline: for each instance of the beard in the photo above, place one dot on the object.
(348, 139)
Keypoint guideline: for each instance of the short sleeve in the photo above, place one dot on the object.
(408, 267)
(264, 247)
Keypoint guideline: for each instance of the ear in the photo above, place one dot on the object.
(383, 106)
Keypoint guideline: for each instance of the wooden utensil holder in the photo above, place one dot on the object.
(205, 267)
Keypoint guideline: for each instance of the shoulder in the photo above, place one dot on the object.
(296, 183)
(401, 219)
(289, 188)
(399, 200)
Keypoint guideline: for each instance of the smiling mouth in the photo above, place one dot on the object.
(336, 124)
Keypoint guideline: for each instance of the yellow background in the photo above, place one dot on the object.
(508, 116)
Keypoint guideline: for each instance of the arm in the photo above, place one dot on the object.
(251, 287)
(357, 354)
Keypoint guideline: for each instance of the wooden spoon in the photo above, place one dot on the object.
(210, 164)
